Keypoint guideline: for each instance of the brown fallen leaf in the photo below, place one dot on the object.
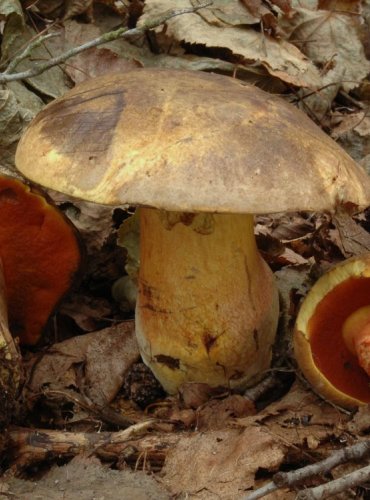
(78, 7)
(105, 357)
(195, 394)
(319, 34)
(95, 62)
(279, 57)
(353, 239)
(218, 414)
(223, 463)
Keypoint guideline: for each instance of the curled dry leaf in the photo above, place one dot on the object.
(105, 356)
(53, 82)
(12, 15)
(11, 126)
(77, 7)
(217, 414)
(353, 132)
(353, 239)
(280, 58)
(322, 35)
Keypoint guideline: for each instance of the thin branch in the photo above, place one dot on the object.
(287, 479)
(106, 37)
(27, 51)
(336, 486)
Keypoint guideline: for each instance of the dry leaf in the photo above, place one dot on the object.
(353, 239)
(195, 394)
(323, 37)
(77, 7)
(11, 126)
(226, 12)
(217, 414)
(223, 463)
(279, 57)
(105, 356)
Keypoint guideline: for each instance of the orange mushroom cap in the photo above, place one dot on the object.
(321, 338)
(40, 253)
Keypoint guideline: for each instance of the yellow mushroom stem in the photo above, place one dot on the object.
(356, 336)
(207, 304)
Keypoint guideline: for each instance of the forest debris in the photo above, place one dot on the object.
(353, 239)
(355, 452)
(11, 123)
(340, 485)
(29, 446)
(225, 462)
(85, 478)
(279, 57)
(105, 357)
(360, 423)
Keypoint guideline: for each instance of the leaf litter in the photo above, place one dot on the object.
(298, 48)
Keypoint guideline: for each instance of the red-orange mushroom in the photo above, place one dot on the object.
(40, 254)
(332, 334)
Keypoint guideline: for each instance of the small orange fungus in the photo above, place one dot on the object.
(40, 254)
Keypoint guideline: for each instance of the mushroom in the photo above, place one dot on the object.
(40, 255)
(332, 338)
(200, 154)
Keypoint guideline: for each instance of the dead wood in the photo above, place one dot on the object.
(31, 446)
(287, 479)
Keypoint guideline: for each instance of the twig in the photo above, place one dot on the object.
(106, 414)
(257, 391)
(106, 37)
(27, 51)
(287, 479)
(339, 485)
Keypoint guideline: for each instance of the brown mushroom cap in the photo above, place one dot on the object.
(187, 141)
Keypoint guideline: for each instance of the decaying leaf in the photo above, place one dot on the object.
(224, 464)
(105, 357)
(354, 240)
(52, 83)
(230, 13)
(11, 126)
(353, 132)
(77, 7)
(322, 35)
(12, 15)
(278, 57)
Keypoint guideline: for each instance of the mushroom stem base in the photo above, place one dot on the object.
(207, 305)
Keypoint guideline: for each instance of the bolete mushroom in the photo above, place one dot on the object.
(40, 255)
(332, 338)
(200, 153)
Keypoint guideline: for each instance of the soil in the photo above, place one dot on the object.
(85, 479)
